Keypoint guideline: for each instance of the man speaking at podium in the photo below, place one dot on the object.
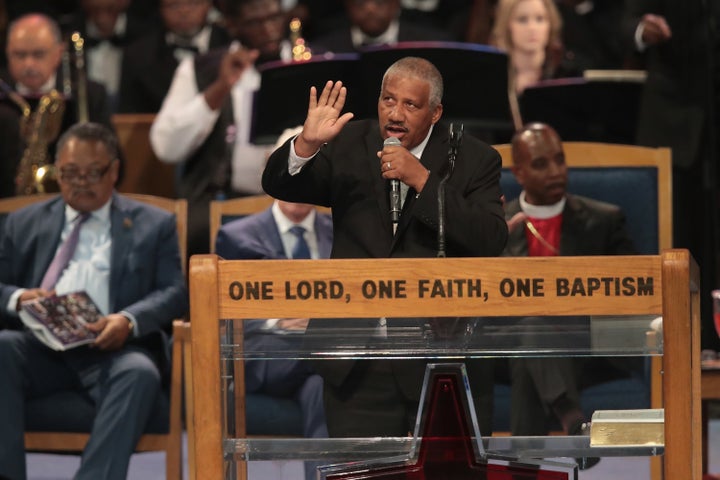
(349, 166)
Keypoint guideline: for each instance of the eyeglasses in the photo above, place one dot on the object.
(93, 175)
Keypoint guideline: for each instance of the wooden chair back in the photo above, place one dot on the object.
(144, 172)
(638, 179)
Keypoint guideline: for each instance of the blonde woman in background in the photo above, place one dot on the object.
(529, 31)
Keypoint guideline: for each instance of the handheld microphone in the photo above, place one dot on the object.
(395, 201)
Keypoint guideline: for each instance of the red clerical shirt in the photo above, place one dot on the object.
(549, 230)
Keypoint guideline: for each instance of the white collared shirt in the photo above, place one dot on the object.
(200, 40)
(89, 268)
(284, 225)
(104, 60)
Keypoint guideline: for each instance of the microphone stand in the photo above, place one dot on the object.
(455, 140)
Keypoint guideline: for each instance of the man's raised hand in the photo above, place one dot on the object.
(323, 120)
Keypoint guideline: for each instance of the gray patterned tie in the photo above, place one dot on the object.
(64, 254)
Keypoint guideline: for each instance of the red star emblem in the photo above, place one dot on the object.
(450, 446)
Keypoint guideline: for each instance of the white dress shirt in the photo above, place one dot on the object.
(284, 225)
(89, 268)
(201, 41)
(104, 60)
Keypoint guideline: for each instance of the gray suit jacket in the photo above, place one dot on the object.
(146, 277)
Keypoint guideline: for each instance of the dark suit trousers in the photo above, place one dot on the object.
(124, 386)
(374, 399)
(538, 382)
(286, 378)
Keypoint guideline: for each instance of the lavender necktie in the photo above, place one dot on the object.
(64, 254)
(301, 248)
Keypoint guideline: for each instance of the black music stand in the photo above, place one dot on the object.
(475, 81)
(581, 109)
(282, 100)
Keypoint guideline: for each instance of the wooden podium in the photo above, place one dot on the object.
(221, 290)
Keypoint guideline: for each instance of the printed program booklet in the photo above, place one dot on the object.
(60, 321)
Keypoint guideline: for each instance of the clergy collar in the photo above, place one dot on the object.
(541, 211)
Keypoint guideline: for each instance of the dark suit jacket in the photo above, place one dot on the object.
(148, 67)
(678, 95)
(146, 279)
(256, 237)
(589, 227)
(345, 175)
(137, 25)
(9, 149)
(592, 40)
(340, 40)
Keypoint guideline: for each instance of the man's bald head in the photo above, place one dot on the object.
(539, 163)
(34, 50)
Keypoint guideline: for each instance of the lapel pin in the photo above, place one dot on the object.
(127, 222)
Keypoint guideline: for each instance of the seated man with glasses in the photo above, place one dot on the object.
(125, 256)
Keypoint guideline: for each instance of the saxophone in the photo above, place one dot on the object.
(35, 173)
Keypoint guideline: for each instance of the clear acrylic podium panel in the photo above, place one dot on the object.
(603, 325)
(440, 340)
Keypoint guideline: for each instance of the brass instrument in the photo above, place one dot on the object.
(35, 173)
(300, 50)
(81, 95)
(16, 98)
